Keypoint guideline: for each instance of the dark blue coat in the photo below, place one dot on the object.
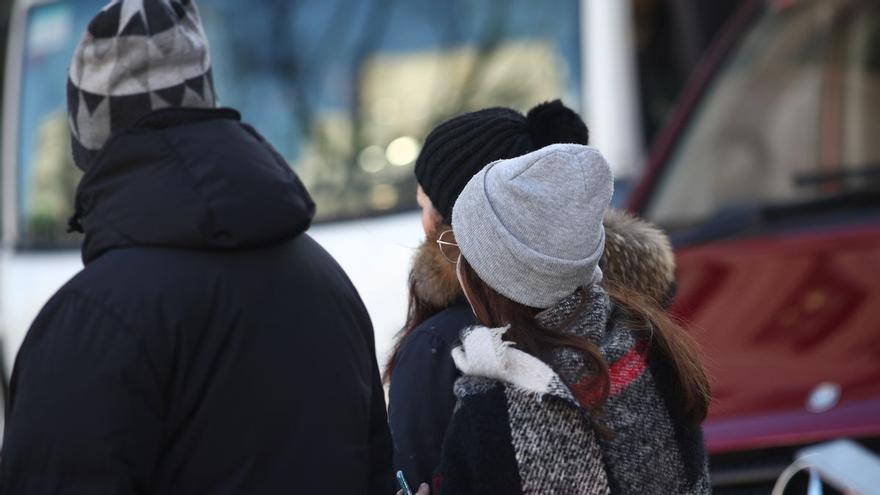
(420, 398)
(209, 345)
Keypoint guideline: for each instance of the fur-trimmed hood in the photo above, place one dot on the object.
(637, 256)
(432, 275)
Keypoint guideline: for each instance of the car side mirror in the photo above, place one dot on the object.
(842, 464)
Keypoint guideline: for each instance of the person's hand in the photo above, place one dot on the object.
(424, 489)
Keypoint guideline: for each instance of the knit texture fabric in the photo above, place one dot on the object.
(458, 148)
(531, 226)
(545, 443)
(550, 442)
(638, 411)
(135, 57)
(421, 397)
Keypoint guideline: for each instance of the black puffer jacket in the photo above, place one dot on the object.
(420, 399)
(209, 345)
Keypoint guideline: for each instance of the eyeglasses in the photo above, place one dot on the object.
(448, 246)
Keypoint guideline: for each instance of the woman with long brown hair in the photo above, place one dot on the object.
(420, 371)
(568, 387)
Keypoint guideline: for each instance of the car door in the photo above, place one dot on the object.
(771, 191)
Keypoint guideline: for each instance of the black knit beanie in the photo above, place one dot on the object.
(460, 147)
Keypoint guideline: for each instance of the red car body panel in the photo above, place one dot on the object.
(777, 314)
(853, 419)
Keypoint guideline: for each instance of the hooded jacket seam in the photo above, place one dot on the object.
(111, 220)
(109, 223)
(193, 182)
(132, 330)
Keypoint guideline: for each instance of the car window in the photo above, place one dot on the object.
(792, 117)
(345, 89)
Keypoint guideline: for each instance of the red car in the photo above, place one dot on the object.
(767, 178)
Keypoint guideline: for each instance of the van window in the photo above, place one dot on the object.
(791, 118)
(345, 89)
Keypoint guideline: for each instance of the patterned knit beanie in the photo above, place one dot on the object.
(460, 147)
(135, 57)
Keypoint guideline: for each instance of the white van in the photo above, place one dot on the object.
(344, 89)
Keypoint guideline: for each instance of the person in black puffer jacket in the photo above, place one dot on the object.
(209, 345)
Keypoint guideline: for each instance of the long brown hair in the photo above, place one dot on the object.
(493, 309)
(419, 309)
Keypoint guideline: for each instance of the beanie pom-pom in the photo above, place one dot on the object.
(554, 123)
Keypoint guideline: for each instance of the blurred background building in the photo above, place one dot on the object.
(347, 89)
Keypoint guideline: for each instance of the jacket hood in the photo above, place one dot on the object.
(637, 255)
(433, 276)
(191, 179)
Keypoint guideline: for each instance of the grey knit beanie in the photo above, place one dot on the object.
(531, 226)
(135, 57)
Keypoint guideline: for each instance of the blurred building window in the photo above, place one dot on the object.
(345, 89)
(793, 117)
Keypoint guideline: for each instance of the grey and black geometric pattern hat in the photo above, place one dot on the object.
(135, 57)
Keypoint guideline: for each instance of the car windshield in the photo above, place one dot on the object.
(344, 89)
(792, 118)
